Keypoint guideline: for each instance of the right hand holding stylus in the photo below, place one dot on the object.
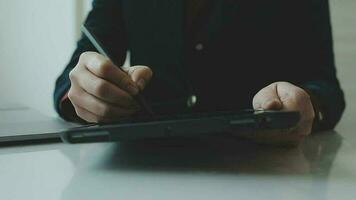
(101, 92)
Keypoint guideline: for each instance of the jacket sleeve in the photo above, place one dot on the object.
(322, 81)
(105, 20)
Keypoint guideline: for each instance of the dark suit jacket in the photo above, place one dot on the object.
(244, 46)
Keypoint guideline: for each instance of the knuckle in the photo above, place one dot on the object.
(84, 55)
(125, 81)
(105, 67)
(72, 75)
(71, 95)
(100, 88)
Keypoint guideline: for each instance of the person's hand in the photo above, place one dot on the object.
(287, 97)
(101, 92)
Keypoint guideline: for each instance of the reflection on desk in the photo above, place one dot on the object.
(211, 169)
(215, 168)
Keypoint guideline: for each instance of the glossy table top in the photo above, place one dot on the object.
(323, 167)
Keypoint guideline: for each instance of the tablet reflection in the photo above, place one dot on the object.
(228, 155)
(117, 169)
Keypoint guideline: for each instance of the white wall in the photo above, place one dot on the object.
(344, 28)
(37, 38)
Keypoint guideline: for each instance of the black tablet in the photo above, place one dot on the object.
(189, 125)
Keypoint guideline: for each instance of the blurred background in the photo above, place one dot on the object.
(37, 38)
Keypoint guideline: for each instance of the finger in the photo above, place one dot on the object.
(93, 118)
(102, 67)
(96, 106)
(293, 97)
(267, 99)
(86, 115)
(141, 75)
(104, 90)
(297, 99)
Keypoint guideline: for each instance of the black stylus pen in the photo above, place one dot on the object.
(96, 43)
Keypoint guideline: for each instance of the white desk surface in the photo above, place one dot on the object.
(323, 167)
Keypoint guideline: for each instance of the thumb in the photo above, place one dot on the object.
(140, 74)
(267, 99)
